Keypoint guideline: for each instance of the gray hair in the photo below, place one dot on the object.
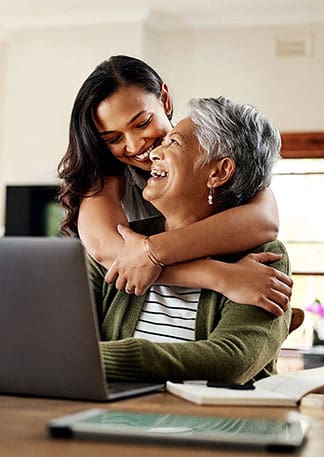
(241, 132)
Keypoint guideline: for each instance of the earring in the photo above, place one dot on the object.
(211, 196)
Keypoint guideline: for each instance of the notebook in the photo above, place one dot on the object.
(48, 329)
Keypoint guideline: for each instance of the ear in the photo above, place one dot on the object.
(221, 172)
(165, 98)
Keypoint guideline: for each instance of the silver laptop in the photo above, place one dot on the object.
(48, 329)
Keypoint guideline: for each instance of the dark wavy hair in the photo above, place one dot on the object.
(87, 161)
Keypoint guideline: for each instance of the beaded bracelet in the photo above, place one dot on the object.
(150, 254)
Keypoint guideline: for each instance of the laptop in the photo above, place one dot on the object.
(48, 328)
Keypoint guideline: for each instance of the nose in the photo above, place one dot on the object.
(156, 153)
(134, 144)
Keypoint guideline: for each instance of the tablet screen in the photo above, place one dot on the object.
(182, 429)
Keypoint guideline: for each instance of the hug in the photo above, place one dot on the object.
(218, 157)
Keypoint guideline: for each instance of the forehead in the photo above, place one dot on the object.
(115, 111)
(185, 128)
(128, 98)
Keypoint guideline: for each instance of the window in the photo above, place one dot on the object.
(298, 184)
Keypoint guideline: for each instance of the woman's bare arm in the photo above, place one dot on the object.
(234, 230)
(97, 221)
(248, 281)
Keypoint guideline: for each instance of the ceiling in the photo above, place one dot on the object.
(164, 13)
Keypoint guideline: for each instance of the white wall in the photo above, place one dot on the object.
(43, 72)
(44, 69)
(2, 91)
(241, 63)
(172, 54)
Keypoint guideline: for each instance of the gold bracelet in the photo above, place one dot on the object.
(150, 254)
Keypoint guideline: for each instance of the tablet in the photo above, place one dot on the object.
(185, 430)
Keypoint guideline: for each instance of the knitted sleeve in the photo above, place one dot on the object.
(230, 354)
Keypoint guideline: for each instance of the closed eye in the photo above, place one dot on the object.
(169, 142)
(144, 123)
(113, 140)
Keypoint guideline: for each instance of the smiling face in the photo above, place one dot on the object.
(132, 122)
(178, 186)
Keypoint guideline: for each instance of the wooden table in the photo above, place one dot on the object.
(23, 429)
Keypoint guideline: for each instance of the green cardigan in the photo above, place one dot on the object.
(233, 342)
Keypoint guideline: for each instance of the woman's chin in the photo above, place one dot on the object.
(148, 194)
(156, 190)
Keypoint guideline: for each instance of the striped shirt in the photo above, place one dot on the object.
(168, 314)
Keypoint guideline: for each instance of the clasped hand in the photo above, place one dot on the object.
(250, 281)
(132, 270)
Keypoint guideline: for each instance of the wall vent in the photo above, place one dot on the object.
(294, 47)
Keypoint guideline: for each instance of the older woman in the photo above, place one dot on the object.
(218, 157)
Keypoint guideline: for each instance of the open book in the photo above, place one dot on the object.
(277, 390)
